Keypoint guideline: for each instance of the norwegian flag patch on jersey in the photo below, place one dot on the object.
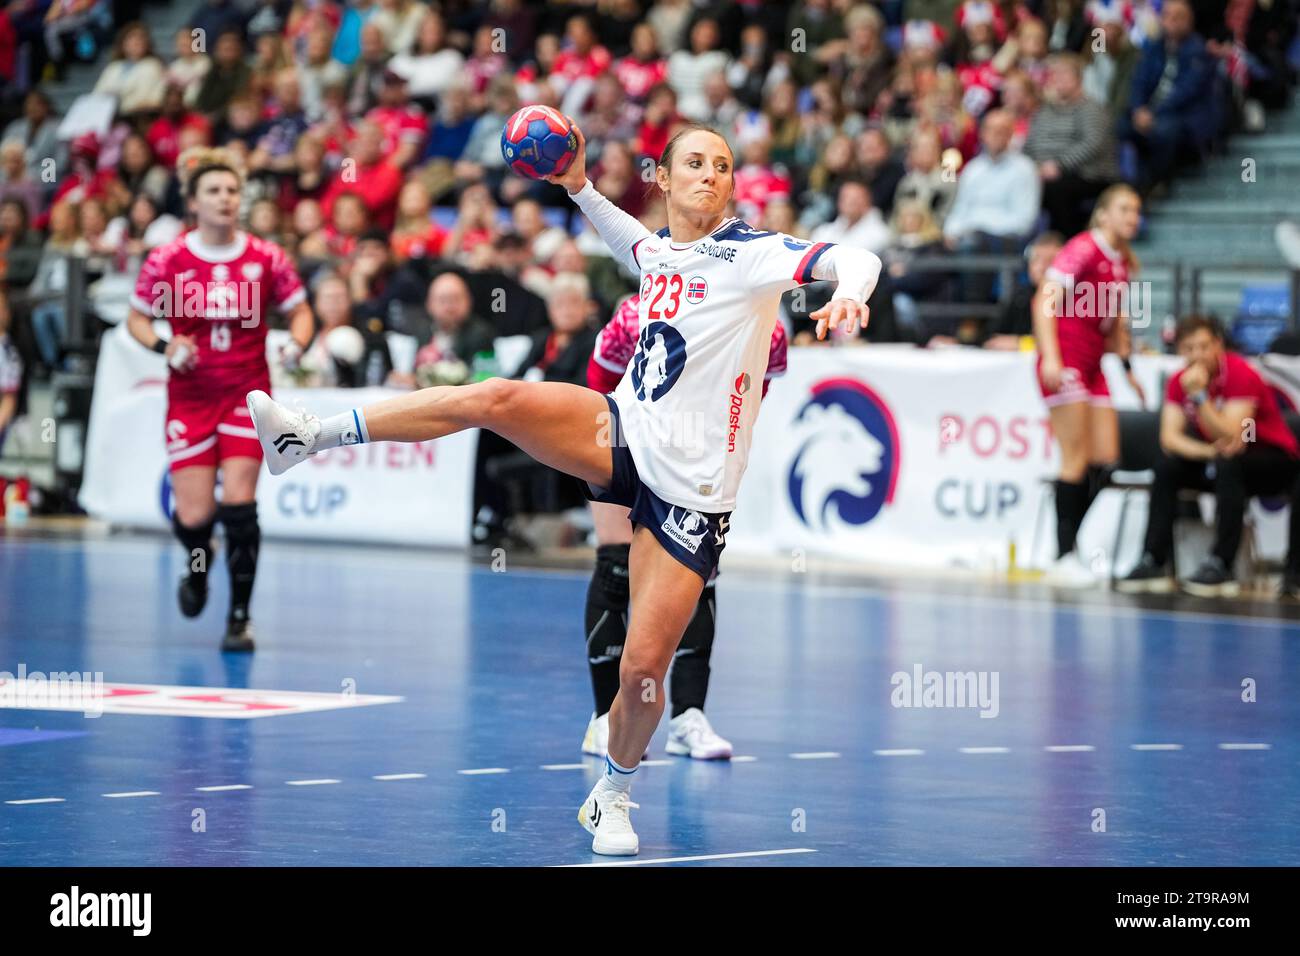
(696, 290)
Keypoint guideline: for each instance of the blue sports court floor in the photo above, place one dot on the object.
(1107, 712)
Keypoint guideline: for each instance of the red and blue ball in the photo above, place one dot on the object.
(539, 141)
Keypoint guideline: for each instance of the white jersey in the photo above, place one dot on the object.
(708, 307)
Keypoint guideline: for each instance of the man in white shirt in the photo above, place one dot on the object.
(857, 223)
(998, 201)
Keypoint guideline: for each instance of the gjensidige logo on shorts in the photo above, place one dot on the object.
(76, 909)
(59, 690)
(847, 456)
(685, 527)
(952, 689)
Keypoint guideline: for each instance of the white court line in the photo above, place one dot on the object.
(228, 786)
(311, 783)
(743, 759)
(23, 803)
(1157, 746)
(483, 770)
(985, 750)
(398, 776)
(1070, 748)
(656, 763)
(816, 755)
(898, 753)
(693, 859)
(565, 766)
(1245, 746)
(131, 793)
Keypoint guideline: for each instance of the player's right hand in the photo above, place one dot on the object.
(182, 344)
(1051, 373)
(575, 177)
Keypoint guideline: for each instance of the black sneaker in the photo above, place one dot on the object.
(1290, 589)
(1147, 577)
(239, 636)
(1211, 580)
(192, 595)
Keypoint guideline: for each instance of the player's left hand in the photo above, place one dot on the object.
(847, 315)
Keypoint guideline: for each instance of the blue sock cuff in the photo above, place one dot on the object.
(611, 767)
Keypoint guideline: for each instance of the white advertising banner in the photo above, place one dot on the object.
(418, 494)
(890, 454)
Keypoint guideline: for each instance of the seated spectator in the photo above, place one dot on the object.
(1067, 27)
(1026, 51)
(482, 157)
(317, 71)
(973, 52)
(228, 77)
(757, 179)
(997, 201)
(486, 62)
(541, 241)
(878, 167)
(657, 122)
(134, 75)
(75, 29)
(367, 77)
(416, 236)
(403, 124)
(1020, 98)
(215, 17)
(386, 291)
(15, 182)
(643, 68)
(37, 131)
(926, 181)
(476, 222)
(616, 176)
(270, 59)
(434, 66)
(1220, 429)
(560, 352)
(340, 355)
(915, 237)
(368, 176)
(20, 247)
(304, 17)
(242, 121)
(456, 334)
(941, 109)
(186, 72)
(1014, 328)
(400, 21)
(11, 380)
(1073, 146)
(274, 150)
(779, 216)
(750, 74)
(863, 69)
(857, 222)
(1108, 75)
(834, 166)
(164, 133)
(498, 293)
(580, 61)
(349, 218)
(143, 227)
(138, 172)
(347, 42)
(45, 296)
(448, 136)
(1171, 109)
(689, 69)
(306, 179)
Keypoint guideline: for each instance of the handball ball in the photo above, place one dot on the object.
(538, 142)
(346, 344)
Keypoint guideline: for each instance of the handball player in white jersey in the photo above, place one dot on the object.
(671, 443)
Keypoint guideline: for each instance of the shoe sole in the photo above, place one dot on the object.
(1231, 589)
(681, 750)
(1153, 586)
(601, 848)
(273, 462)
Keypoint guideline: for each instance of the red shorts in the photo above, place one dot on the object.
(1080, 382)
(210, 431)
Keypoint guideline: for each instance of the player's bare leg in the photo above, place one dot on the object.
(1070, 425)
(664, 596)
(567, 427)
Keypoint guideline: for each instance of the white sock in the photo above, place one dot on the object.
(616, 777)
(347, 428)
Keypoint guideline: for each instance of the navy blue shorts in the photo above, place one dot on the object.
(694, 538)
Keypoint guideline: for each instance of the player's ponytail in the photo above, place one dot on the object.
(1108, 195)
(192, 164)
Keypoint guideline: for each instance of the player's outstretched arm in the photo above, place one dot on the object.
(857, 271)
(620, 231)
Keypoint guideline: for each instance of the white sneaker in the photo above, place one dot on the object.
(691, 735)
(604, 814)
(287, 437)
(596, 742)
(1069, 571)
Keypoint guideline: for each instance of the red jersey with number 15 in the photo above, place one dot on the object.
(223, 298)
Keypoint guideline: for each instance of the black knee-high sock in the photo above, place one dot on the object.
(606, 622)
(243, 539)
(1071, 505)
(197, 542)
(689, 684)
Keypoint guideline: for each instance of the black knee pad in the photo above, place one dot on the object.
(609, 582)
(697, 639)
(240, 522)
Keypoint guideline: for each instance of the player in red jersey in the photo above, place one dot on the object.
(216, 285)
(1080, 313)
(689, 732)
